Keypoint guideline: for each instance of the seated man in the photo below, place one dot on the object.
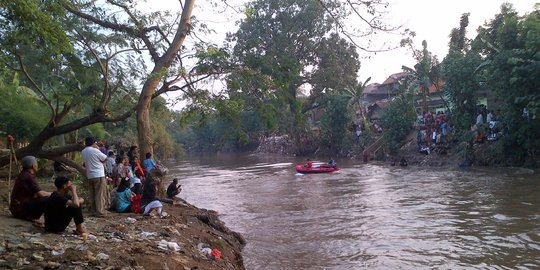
(332, 163)
(62, 208)
(27, 199)
(173, 189)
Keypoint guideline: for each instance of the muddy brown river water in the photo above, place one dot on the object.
(370, 216)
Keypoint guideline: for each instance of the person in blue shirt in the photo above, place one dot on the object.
(332, 163)
(123, 197)
(149, 163)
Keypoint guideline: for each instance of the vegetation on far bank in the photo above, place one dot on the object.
(286, 71)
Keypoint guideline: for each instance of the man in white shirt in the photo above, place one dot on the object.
(95, 173)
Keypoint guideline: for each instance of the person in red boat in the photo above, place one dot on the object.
(309, 164)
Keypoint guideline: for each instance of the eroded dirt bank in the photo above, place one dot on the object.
(123, 241)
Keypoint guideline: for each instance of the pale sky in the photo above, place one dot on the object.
(432, 20)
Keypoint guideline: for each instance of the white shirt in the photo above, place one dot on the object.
(479, 119)
(489, 117)
(93, 161)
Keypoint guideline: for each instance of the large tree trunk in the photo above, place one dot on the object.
(144, 129)
(150, 87)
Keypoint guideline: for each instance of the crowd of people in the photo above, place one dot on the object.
(116, 182)
(486, 126)
(432, 132)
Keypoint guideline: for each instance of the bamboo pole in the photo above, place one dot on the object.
(11, 157)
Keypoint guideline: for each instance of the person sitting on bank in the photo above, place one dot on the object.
(173, 189)
(123, 196)
(403, 162)
(27, 199)
(62, 208)
(149, 200)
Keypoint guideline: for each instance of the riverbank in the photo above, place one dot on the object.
(453, 154)
(127, 241)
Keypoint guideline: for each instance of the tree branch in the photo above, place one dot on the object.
(36, 86)
(104, 70)
(347, 34)
(113, 26)
(69, 162)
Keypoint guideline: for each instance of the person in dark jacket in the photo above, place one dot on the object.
(27, 199)
(62, 207)
(173, 189)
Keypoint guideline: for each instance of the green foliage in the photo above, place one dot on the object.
(22, 114)
(512, 45)
(462, 87)
(337, 66)
(334, 124)
(503, 60)
(32, 22)
(397, 121)
(275, 45)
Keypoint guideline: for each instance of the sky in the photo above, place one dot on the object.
(431, 20)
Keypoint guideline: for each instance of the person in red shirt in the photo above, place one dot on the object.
(137, 167)
(27, 199)
(309, 164)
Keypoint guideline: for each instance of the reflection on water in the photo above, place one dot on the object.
(369, 216)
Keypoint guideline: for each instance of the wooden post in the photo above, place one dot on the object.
(11, 157)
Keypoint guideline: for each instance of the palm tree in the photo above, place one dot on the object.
(356, 95)
(425, 73)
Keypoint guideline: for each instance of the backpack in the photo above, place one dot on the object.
(136, 204)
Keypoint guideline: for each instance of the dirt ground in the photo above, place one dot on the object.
(122, 241)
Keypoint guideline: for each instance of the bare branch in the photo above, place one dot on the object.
(104, 70)
(68, 161)
(188, 84)
(349, 36)
(36, 86)
(113, 26)
(134, 32)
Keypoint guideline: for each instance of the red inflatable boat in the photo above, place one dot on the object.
(315, 169)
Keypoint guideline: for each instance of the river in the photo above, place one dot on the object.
(370, 216)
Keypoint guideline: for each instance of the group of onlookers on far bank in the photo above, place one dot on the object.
(434, 129)
(119, 183)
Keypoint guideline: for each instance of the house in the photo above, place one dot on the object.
(434, 101)
(386, 90)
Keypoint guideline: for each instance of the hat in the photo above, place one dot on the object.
(28, 162)
(89, 141)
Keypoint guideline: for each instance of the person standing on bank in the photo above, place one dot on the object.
(95, 173)
(27, 199)
(62, 208)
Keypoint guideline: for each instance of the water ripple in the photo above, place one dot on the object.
(370, 216)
